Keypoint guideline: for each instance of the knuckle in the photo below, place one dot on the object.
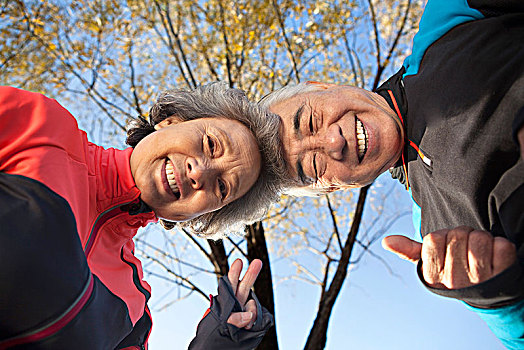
(480, 236)
(434, 239)
(447, 282)
(464, 229)
(479, 239)
(431, 279)
(452, 284)
(458, 234)
(475, 276)
(455, 282)
(502, 246)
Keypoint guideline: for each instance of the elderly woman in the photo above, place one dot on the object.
(206, 159)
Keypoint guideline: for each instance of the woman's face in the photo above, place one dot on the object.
(185, 169)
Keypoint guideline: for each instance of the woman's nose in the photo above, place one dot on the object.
(334, 142)
(196, 173)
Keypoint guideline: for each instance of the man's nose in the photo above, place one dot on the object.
(197, 173)
(334, 142)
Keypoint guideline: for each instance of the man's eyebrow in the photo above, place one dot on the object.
(296, 129)
(223, 138)
(296, 119)
(300, 172)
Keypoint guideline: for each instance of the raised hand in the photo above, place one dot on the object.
(456, 258)
(247, 318)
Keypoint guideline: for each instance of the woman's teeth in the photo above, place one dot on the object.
(170, 174)
(362, 139)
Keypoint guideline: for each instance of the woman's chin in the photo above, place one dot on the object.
(161, 213)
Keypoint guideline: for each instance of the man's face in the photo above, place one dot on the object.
(321, 130)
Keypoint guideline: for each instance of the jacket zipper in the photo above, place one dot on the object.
(55, 325)
(100, 221)
(141, 289)
(421, 155)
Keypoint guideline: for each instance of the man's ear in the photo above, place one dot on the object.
(167, 122)
(320, 85)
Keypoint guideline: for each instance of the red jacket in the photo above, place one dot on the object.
(40, 139)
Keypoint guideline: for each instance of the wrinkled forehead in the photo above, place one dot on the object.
(288, 94)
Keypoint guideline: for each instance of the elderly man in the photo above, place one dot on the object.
(449, 124)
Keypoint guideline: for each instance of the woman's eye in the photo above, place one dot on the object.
(222, 188)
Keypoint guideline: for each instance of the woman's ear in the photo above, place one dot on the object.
(167, 122)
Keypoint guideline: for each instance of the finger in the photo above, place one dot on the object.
(248, 280)
(240, 319)
(504, 254)
(456, 261)
(234, 273)
(480, 256)
(433, 256)
(520, 137)
(404, 247)
(251, 306)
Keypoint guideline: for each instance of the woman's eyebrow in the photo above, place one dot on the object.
(232, 188)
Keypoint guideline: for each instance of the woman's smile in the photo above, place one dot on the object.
(185, 169)
(171, 180)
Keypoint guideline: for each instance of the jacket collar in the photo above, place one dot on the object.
(116, 183)
(393, 92)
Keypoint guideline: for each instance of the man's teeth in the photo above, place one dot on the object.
(362, 139)
(170, 174)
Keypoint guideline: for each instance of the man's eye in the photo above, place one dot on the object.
(315, 167)
(311, 128)
(211, 145)
(222, 188)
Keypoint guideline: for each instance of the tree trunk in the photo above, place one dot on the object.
(257, 249)
(318, 335)
(218, 253)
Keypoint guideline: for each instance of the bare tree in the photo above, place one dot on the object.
(116, 56)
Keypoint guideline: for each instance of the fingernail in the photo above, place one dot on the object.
(246, 316)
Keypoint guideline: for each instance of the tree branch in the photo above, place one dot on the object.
(286, 40)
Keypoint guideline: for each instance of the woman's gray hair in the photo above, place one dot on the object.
(217, 100)
(293, 187)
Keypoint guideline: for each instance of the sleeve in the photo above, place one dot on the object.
(491, 8)
(499, 301)
(507, 323)
(214, 333)
(518, 123)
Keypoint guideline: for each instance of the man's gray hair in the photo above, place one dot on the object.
(217, 100)
(293, 186)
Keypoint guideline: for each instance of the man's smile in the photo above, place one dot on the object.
(362, 139)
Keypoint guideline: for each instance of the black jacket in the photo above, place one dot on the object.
(461, 98)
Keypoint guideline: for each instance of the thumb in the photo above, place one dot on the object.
(240, 319)
(404, 247)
